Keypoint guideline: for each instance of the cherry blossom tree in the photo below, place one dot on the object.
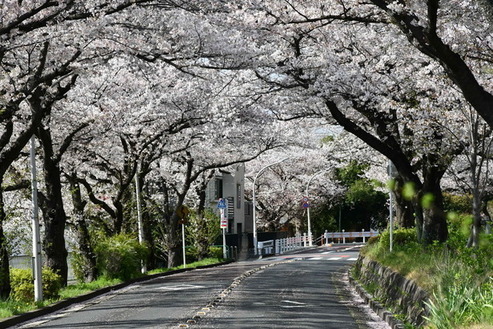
(343, 74)
(470, 171)
(41, 42)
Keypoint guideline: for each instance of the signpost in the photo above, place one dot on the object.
(182, 213)
(221, 205)
(306, 205)
(305, 202)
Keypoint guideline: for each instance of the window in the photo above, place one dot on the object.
(218, 188)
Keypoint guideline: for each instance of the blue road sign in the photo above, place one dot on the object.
(305, 202)
(221, 204)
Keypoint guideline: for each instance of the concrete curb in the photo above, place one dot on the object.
(17, 319)
(378, 308)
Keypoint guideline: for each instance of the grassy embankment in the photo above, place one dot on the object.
(10, 307)
(459, 279)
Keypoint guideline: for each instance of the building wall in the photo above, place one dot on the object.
(232, 187)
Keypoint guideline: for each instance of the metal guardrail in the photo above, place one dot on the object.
(351, 235)
(280, 246)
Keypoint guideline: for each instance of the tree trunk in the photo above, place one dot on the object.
(4, 256)
(118, 220)
(484, 209)
(202, 242)
(476, 224)
(149, 224)
(83, 237)
(434, 226)
(51, 204)
(404, 211)
(174, 253)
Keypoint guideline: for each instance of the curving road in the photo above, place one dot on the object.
(303, 290)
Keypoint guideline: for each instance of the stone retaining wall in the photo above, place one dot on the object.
(392, 289)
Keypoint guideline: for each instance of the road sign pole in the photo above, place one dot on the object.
(183, 244)
(310, 243)
(224, 225)
(224, 244)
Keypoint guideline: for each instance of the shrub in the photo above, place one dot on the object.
(373, 240)
(192, 254)
(216, 252)
(460, 279)
(401, 237)
(23, 284)
(120, 256)
(212, 252)
(81, 267)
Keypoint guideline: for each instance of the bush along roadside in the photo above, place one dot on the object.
(457, 282)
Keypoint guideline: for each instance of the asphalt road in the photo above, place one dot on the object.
(304, 290)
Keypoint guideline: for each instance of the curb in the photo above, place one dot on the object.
(378, 308)
(17, 319)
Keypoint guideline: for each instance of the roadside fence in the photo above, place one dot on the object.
(342, 237)
(280, 246)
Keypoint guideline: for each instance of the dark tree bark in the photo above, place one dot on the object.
(426, 40)
(4, 256)
(434, 219)
(202, 242)
(430, 221)
(90, 271)
(404, 211)
(53, 212)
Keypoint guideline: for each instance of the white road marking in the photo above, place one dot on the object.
(180, 287)
(292, 302)
(334, 258)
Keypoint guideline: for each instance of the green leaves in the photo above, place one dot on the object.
(120, 256)
(427, 200)
(409, 191)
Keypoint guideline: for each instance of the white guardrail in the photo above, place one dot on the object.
(280, 246)
(352, 235)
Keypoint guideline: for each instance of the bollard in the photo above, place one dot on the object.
(343, 237)
(364, 238)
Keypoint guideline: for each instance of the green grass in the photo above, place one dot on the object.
(10, 307)
(204, 262)
(459, 279)
(78, 289)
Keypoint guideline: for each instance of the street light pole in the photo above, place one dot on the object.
(38, 285)
(391, 209)
(310, 243)
(255, 242)
(140, 226)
